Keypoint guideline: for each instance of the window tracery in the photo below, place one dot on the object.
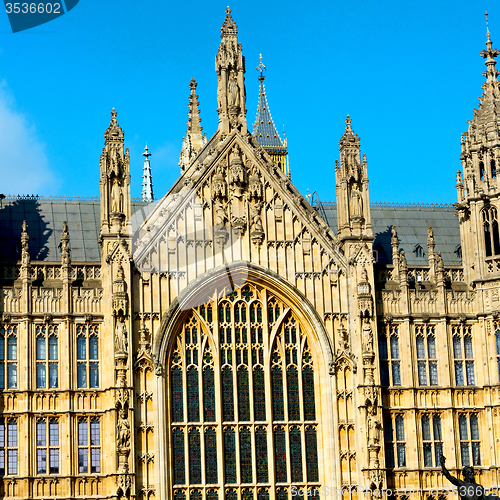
(491, 234)
(259, 344)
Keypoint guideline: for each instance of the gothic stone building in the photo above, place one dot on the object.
(231, 341)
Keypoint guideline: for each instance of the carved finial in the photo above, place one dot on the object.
(350, 138)
(65, 252)
(348, 122)
(229, 27)
(261, 68)
(490, 55)
(147, 178)
(487, 27)
(25, 254)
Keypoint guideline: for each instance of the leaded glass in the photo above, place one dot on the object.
(179, 495)
(194, 457)
(420, 347)
(280, 455)
(208, 394)
(281, 494)
(177, 395)
(247, 494)
(227, 395)
(243, 395)
(426, 428)
(195, 495)
(296, 455)
(292, 380)
(278, 405)
(193, 395)
(259, 395)
(212, 495)
(394, 347)
(179, 460)
(211, 456)
(312, 455)
(229, 456)
(231, 495)
(261, 455)
(245, 456)
(308, 389)
(263, 494)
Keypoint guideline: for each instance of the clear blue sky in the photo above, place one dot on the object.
(408, 73)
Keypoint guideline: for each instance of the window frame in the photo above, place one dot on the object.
(390, 365)
(48, 448)
(85, 447)
(426, 365)
(47, 363)
(8, 362)
(87, 364)
(469, 443)
(463, 365)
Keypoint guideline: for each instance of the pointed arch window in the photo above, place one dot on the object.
(257, 394)
(390, 363)
(490, 229)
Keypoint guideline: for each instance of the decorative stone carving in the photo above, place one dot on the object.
(367, 335)
(256, 229)
(121, 340)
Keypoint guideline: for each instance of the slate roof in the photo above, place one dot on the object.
(264, 130)
(45, 218)
(411, 224)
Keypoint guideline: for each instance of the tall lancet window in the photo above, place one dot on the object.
(243, 407)
(491, 235)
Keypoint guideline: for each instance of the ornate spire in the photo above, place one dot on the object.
(264, 130)
(230, 69)
(489, 55)
(194, 139)
(147, 179)
(114, 133)
(350, 138)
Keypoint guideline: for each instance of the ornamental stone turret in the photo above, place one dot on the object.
(147, 178)
(479, 189)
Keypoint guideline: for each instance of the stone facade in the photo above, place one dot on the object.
(228, 343)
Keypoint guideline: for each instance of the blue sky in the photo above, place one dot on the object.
(408, 73)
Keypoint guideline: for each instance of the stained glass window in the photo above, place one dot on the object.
(227, 395)
(249, 361)
(278, 405)
(280, 455)
(292, 380)
(261, 455)
(259, 394)
(296, 454)
(177, 395)
(243, 395)
(245, 456)
(193, 395)
(312, 455)
(179, 459)
(194, 456)
(208, 394)
(211, 456)
(229, 456)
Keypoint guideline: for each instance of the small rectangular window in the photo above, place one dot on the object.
(469, 439)
(47, 442)
(89, 447)
(87, 356)
(46, 359)
(463, 354)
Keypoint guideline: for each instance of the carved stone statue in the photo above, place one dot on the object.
(116, 197)
(121, 340)
(439, 262)
(220, 213)
(367, 335)
(123, 427)
(403, 266)
(373, 427)
(255, 216)
(356, 202)
(468, 489)
(234, 91)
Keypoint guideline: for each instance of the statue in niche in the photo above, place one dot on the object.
(367, 335)
(234, 90)
(468, 489)
(373, 427)
(123, 428)
(121, 340)
(220, 213)
(116, 196)
(255, 216)
(356, 202)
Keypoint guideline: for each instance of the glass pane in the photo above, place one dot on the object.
(382, 347)
(278, 404)
(312, 455)
(2, 375)
(433, 372)
(211, 456)
(2, 346)
(41, 461)
(389, 456)
(427, 455)
(193, 395)
(437, 428)
(82, 374)
(497, 339)
(177, 396)
(94, 374)
(52, 347)
(384, 373)
(469, 366)
(462, 424)
(400, 429)
(83, 461)
(40, 376)
(401, 455)
(53, 433)
(54, 461)
(464, 451)
(230, 456)
(296, 455)
(12, 434)
(243, 395)
(179, 458)
(394, 347)
(476, 455)
(194, 457)
(420, 347)
(308, 393)
(431, 347)
(208, 395)
(457, 348)
(474, 427)
(12, 375)
(422, 373)
(95, 438)
(261, 455)
(82, 433)
(438, 449)
(245, 456)
(93, 347)
(426, 428)
(81, 349)
(12, 348)
(96, 460)
(12, 461)
(396, 373)
(280, 455)
(53, 377)
(259, 395)
(2, 433)
(468, 347)
(40, 348)
(41, 433)
(459, 373)
(292, 380)
(227, 395)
